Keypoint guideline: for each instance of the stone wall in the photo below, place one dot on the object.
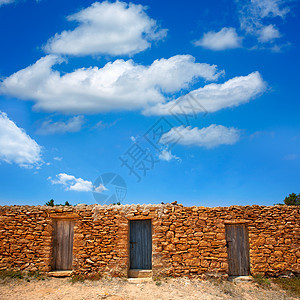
(186, 241)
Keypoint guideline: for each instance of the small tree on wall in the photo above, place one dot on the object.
(292, 199)
(51, 203)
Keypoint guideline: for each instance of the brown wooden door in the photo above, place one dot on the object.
(237, 249)
(63, 244)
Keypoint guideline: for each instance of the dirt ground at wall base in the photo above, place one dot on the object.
(116, 288)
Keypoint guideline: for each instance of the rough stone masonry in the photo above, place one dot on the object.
(186, 241)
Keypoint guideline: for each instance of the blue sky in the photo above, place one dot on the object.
(213, 85)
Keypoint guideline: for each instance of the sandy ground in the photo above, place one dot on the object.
(113, 289)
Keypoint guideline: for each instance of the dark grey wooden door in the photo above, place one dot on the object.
(140, 244)
(63, 244)
(237, 249)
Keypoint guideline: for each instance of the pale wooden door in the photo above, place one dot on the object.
(63, 244)
(237, 249)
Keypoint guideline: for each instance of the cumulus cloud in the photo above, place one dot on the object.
(72, 125)
(268, 33)
(226, 38)
(71, 183)
(16, 146)
(94, 90)
(101, 188)
(254, 16)
(107, 28)
(214, 97)
(207, 137)
(166, 155)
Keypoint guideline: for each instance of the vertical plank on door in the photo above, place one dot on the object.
(237, 249)
(140, 244)
(63, 244)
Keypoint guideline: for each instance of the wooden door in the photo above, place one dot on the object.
(63, 244)
(237, 249)
(140, 244)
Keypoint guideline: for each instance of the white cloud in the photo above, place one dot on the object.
(262, 134)
(101, 125)
(269, 8)
(226, 38)
(166, 155)
(254, 16)
(94, 90)
(16, 146)
(101, 188)
(57, 158)
(291, 156)
(268, 33)
(214, 97)
(72, 125)
(71, 183)
(107, 28)
(208, 137)
(3, 2)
